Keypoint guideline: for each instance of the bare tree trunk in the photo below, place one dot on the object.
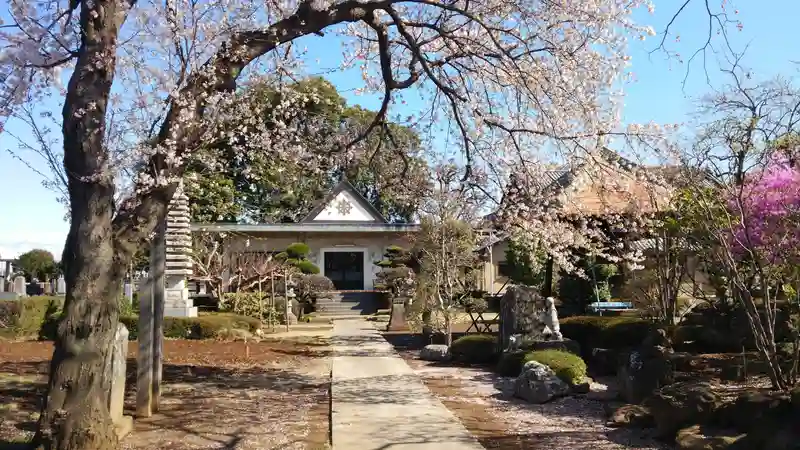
(448, 329)
(75, 414)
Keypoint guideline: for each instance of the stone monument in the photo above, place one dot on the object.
(116, 398)
(527, 316)
(178, 257)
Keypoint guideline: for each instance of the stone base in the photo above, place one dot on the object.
(123, 426)
(181, 312)
(397, 320)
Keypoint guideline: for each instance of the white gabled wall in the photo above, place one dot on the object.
(344, 208)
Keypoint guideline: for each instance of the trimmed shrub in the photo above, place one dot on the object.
(132, 324)
(474, 349)
(307, 267)
(570, 368)
(26, 317)
(208, 326)
(298, 250)
(9, 314)
(605, 332)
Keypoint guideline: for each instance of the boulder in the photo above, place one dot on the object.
(700, 437)
(755, 409)
(643, 372)
(682, 404)
(435, 352)
(539, 384)
(631, 416)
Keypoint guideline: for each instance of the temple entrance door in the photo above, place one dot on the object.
(345, 270)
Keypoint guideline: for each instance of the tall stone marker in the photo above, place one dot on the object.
(116, 400)
(178, 258)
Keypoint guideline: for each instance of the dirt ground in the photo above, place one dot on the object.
(482, 402)
(273, 394)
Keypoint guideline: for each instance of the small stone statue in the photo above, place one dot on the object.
(550, 320)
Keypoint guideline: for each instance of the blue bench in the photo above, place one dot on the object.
(599, 307)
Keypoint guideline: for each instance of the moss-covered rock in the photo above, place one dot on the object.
(569, 367)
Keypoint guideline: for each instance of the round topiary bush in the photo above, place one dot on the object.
(307, 267)
(474, 349)
(298, 250)
(567, 366)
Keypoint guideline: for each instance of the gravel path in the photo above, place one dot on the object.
(478, 396)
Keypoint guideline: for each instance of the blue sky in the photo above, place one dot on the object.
(30, 217)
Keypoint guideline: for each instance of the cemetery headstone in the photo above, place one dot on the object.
(19, 285)
(61, 286)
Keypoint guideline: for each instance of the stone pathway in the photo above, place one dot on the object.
(378, 401)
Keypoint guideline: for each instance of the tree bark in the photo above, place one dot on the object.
(75, 414)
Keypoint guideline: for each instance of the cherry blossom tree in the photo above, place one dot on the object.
(140, 85)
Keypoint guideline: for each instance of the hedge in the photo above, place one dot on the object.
(474, 349)
(206, 326)
(567, 366)
(38, 316)
(25, 317)
(605, 332)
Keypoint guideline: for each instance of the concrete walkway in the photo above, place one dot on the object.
(380, 404)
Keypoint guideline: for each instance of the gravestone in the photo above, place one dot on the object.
(61, 286)
(116, 399)
(19, 285)
(524, 312)
(128, 291)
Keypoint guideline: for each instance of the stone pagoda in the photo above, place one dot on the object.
(178, 239)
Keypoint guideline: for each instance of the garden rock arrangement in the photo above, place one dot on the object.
(539, 384)
(696, 417)
(646, 368)
(435, 352)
